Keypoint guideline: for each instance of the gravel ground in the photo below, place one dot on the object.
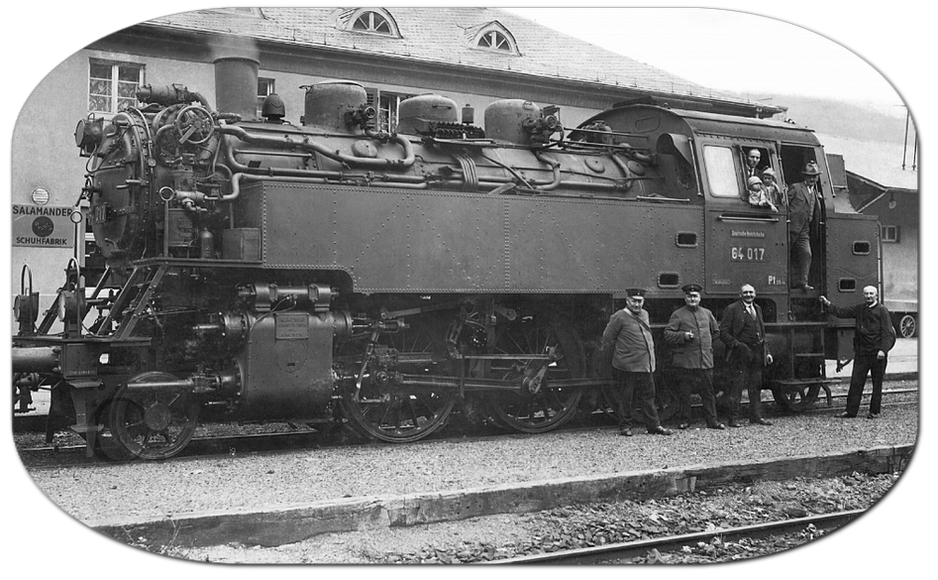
(505, 536)
(301, 476)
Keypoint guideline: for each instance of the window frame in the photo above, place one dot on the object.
(352, 17)
(497, 39)
(270, 86)
(115, 81)
(721, 174)
(491, 31)
(389, 115)
(894, 239)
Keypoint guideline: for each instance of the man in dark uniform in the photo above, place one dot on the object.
(874, 336)
(691, 331)
(742, 330)
(804, 215)
(633, 363)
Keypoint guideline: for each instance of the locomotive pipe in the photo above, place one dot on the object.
(243, 171)
(36, 359)
(307, 144)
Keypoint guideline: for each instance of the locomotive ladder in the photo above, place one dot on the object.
(130, 304)
(796, 383)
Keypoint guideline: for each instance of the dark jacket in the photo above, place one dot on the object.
(731, 325)
(698, 352)
(873, 328)
(803, 209)
(630, 336)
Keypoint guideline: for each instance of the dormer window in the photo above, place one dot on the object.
(372, 22)
(369, 20)
(495, 40)
(494, 36)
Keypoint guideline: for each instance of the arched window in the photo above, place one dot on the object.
(495, 40)
(368, 21)
(371, 21)
(495, 37)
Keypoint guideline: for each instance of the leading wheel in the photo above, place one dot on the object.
(385, 410)
(152, 424)
(548, 407)
(796, 399)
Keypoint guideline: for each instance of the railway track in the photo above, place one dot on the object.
(271, 442)
(626, 551)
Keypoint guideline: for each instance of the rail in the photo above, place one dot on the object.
(611, 553)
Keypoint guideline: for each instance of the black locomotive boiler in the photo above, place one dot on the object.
(261, 270)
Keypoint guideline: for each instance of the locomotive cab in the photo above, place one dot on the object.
(749, 243)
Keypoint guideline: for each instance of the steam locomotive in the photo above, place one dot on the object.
(261, 270)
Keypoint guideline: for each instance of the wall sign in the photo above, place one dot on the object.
(44, 226)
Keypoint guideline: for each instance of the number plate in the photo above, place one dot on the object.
(747, 254)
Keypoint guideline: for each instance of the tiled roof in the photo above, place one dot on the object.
(439, 34)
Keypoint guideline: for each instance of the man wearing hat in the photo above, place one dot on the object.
(742, 330)
(628, 335)
(691, 331)
(804, 217)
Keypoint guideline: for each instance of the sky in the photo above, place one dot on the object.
(745, 53)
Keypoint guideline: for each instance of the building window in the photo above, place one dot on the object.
(112, 86)
(372, 22)
(493, 36)
(369, 20)
(387, 105)
(264, 87)
(890, 234)
(495, 40)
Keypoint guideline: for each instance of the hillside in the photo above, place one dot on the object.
(847, 120)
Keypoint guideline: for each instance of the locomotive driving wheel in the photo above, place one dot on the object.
(542, 407)
(152, 424)
(380, 408)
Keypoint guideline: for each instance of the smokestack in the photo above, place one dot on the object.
(236, 86)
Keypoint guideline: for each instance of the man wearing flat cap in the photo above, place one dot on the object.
(628, 335)
(804, 218)
(691, 331)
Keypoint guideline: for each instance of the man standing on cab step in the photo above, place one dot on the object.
(628, 335)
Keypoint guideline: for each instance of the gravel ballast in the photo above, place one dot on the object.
(114, 492)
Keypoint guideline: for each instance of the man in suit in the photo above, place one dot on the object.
(873, 337)
(804, 216)
(691, 331)
(742, 330)
(633, 363)
(752, 163)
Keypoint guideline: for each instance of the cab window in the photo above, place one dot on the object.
(721, 171)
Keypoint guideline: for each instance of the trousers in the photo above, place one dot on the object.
(632, 388)
(747, 372)
(800, 258)
(864, 364)
(703, 378)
